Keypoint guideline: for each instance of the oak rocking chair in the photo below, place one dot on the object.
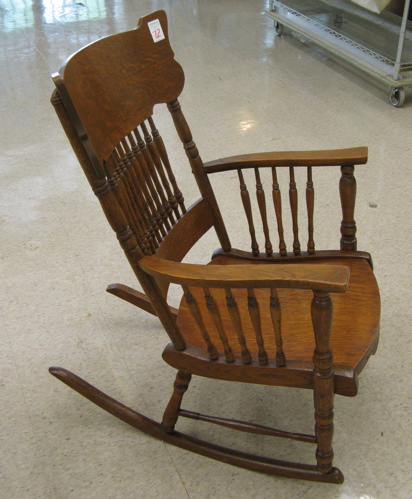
(306, 319)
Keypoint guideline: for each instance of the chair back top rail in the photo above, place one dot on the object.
(107, 96)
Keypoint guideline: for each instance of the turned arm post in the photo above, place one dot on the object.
(323, 379)
(347, 190)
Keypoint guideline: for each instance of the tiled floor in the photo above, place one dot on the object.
(246, 90)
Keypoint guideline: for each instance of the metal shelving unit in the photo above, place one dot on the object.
(380, 44)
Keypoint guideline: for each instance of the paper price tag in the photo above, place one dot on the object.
(156, 30)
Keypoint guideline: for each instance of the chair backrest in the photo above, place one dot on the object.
(110, 83)
(105, 97)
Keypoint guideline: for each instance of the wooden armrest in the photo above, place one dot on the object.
(329, 278)
(334, 157)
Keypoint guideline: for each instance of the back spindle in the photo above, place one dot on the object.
(214, 311)
(178, 196)
(156, 167)
(276, 321)
(237, 322)
(137, 215)
(293, 198)
(151, 171)
(277, 203)
(254, 313)
(145, 172)
(197, 316)
(310, 204)
(137, 180)
(260, 195)
(244, 193)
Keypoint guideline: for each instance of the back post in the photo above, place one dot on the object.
(196, 164)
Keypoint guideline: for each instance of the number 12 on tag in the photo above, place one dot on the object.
(156, 30)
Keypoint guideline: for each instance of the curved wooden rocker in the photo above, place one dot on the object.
(229, 456)
(249, 316)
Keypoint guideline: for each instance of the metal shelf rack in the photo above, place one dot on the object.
(379, 44)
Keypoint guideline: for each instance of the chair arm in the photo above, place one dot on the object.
(327, 278)
(334, 157)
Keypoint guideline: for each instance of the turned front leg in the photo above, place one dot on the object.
(172, 410)
(323, 379)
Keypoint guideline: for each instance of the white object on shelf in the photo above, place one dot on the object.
(373, 5)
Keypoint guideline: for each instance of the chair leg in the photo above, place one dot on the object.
(172, 410)
(323, 379)
(323, 397)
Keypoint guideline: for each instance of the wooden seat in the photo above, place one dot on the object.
(297, 331)
(267, 313)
